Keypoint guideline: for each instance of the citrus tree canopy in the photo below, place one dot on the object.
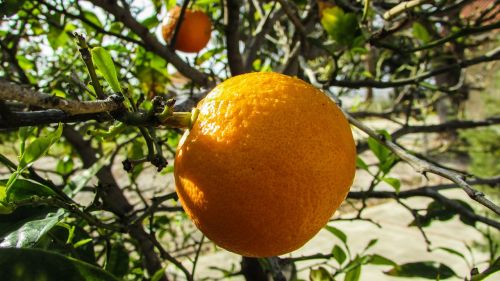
(249, 140)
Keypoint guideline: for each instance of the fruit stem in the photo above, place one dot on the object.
(181, 119)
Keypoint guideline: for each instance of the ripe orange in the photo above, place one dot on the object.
(194, 32)
(265, 164)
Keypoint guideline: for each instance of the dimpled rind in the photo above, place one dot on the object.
(267, 162)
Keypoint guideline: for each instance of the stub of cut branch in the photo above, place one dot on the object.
(14, 92)
(423, 166)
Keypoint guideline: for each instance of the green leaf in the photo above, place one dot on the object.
(65, 165)
(59, 239)
(39, 147)
(394, 183)
(451, 251)
(90, 16)
(420, 32)
(78, 182)
(208, 54)
(35, 264)
(23, 134)
(378, 149)
(426, 269)
(4, 207)
(371, 243)
(337, 232)
(117, 259)
(388, 164)
(158, 275)
(354, 274)
(361, 164)
(320, 274)
(82, 243)
(380, 260)
(151, 22)
(57, 37)
(27, 225)
(102, 59)
(339, 254)
(342, 27)
(24, 188)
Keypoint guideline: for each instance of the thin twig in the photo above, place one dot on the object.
(293, 17)
(490, 56)
(87, 58)
(403, 7)
(178, 24)
(423, 166)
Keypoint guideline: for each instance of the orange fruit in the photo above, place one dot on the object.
(194, 32)
(265, 165)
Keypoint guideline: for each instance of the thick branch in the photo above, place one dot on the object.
(423, 166)
(235, 60)
(11, 91)
(46, 117)
(150, 42)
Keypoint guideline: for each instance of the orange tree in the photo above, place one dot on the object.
(93, 104)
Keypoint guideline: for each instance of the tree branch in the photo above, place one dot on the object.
(490, 56)
(232, 11)
(293, 17)
(447, 126)
(433, 192)
(150, 42)
(256, 41)
(11, 91)
(46, 117)
(402, 7)
(423, 166)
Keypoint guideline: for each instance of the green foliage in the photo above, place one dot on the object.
(23, 189)
(428, 270)
(339, 254)
(420, 32)
(26, 225)
(69, 240)
(320, 274)
(483, 146)
(342, 27)
(39, 265)
(39, 147)
(117, 261)
(105, 65)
